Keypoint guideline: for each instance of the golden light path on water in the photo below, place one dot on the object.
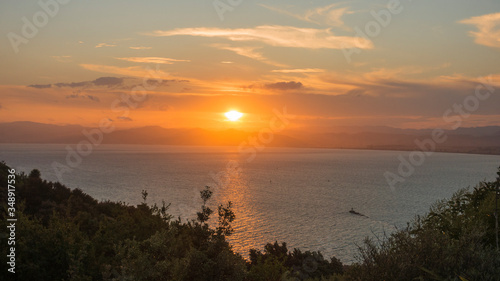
(233, 186)
(260, 219)
(269, 207)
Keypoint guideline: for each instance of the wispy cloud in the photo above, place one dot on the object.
(377, 97)
(326, 15)
(63, 59)
(277, 35)
(249, 52)
(100, 45)
(488, 26)
(299, 70)
(400, 72)
(108, 81)
(40, 86)
(134, 71)
(82, 96)
(140, 48)
(276, 86)
(284, 86)
(242, 51)
(157, 60)
(101, 81)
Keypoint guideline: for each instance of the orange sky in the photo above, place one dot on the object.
(184, 64)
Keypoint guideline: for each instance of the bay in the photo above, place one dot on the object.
(298, 196)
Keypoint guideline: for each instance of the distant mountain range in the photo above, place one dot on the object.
(483, 140)
(30, 132)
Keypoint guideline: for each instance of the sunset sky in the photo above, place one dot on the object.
(330, 63)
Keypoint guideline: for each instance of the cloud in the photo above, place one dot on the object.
(134, 71)
(284, 86)
(333, 17)
(327, 15)
(108, 81)
(299, 70)
(488, 26)
(93, 98)
(77, 95)
(101, 81)
(63, 59)
(249, 52)
(100, 45)
(278, 36)
(38, 86)
(356, 92)
(72, 84)
(157, 60)
(393, 73)
(107, 85)
(140, 48)
(329, 98)
(124, 118)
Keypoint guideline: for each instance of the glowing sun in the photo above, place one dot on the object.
(233, 115)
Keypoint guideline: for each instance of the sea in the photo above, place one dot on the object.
(295, 195)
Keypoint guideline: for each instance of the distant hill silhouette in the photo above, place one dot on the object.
(483, 140)
(31, 132)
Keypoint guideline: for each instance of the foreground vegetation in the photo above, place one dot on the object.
(65, 234)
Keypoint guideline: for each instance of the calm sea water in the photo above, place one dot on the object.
(300, 196)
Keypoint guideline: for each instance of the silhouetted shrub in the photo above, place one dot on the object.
(455, 241)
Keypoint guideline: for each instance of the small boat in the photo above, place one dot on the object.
(356, 213)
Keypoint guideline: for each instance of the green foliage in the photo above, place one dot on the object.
(268, 269)
(277, 260)
(184, 252)
(35, 174)
(226, 217)
(455, 241)
(65, 234)
(205, 213)
(144, 195)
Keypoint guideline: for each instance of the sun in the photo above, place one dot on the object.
(233, 115)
